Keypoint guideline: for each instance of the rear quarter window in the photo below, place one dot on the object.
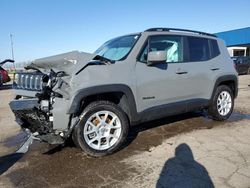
(214, 48)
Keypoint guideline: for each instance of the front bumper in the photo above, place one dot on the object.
(29, 116)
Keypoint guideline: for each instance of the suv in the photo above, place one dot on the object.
(95, 98)
(242, 64)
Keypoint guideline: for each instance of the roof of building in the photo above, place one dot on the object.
(237, 37)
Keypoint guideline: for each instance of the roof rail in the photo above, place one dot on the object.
(184, 30)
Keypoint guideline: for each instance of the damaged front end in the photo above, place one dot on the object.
(33, 104)
(43, 95)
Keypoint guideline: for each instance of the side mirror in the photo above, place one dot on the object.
(156, 57)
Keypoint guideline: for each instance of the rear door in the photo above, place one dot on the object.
(205, 65)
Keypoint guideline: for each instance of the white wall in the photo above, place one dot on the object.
(232, 49)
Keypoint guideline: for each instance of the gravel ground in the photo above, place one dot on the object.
(187, 150)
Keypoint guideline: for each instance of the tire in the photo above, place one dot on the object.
(221, 108)
(102, 130)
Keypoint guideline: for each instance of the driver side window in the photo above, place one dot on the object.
(173, 45)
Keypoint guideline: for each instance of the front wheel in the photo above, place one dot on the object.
(102, 130)
(222, 104)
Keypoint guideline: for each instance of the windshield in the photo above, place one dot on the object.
(118, 48)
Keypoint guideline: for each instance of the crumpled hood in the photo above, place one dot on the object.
(69, 62)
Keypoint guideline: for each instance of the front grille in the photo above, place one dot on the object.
(28, 81)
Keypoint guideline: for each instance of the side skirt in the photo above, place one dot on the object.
(171, 109)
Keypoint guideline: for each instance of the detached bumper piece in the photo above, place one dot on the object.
(25, 146)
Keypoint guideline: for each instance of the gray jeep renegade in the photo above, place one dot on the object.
(95, 98)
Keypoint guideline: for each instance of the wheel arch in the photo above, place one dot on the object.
(228, 80)
(120, 94)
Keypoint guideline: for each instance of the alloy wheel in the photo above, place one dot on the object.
(102, 130)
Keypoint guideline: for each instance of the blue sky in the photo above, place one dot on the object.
(46, 27)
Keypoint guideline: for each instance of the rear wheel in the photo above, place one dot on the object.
(102, 129)
(222, 104)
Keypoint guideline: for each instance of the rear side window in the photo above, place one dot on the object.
(214, 48)
(198, 49)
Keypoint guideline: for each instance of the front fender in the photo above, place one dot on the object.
(83, 93)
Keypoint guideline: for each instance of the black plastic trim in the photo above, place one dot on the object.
(171, 109)
(224, 79)
(83, 93)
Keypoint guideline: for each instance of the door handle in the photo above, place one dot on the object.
(181, 72)
(214, 69)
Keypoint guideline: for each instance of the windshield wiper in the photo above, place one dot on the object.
(106, 60)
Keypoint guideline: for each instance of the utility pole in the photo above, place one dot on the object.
(11, 43)
(12, 49)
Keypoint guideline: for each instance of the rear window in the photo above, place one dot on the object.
(198, 49)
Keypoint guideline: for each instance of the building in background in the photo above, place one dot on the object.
(237, 41)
